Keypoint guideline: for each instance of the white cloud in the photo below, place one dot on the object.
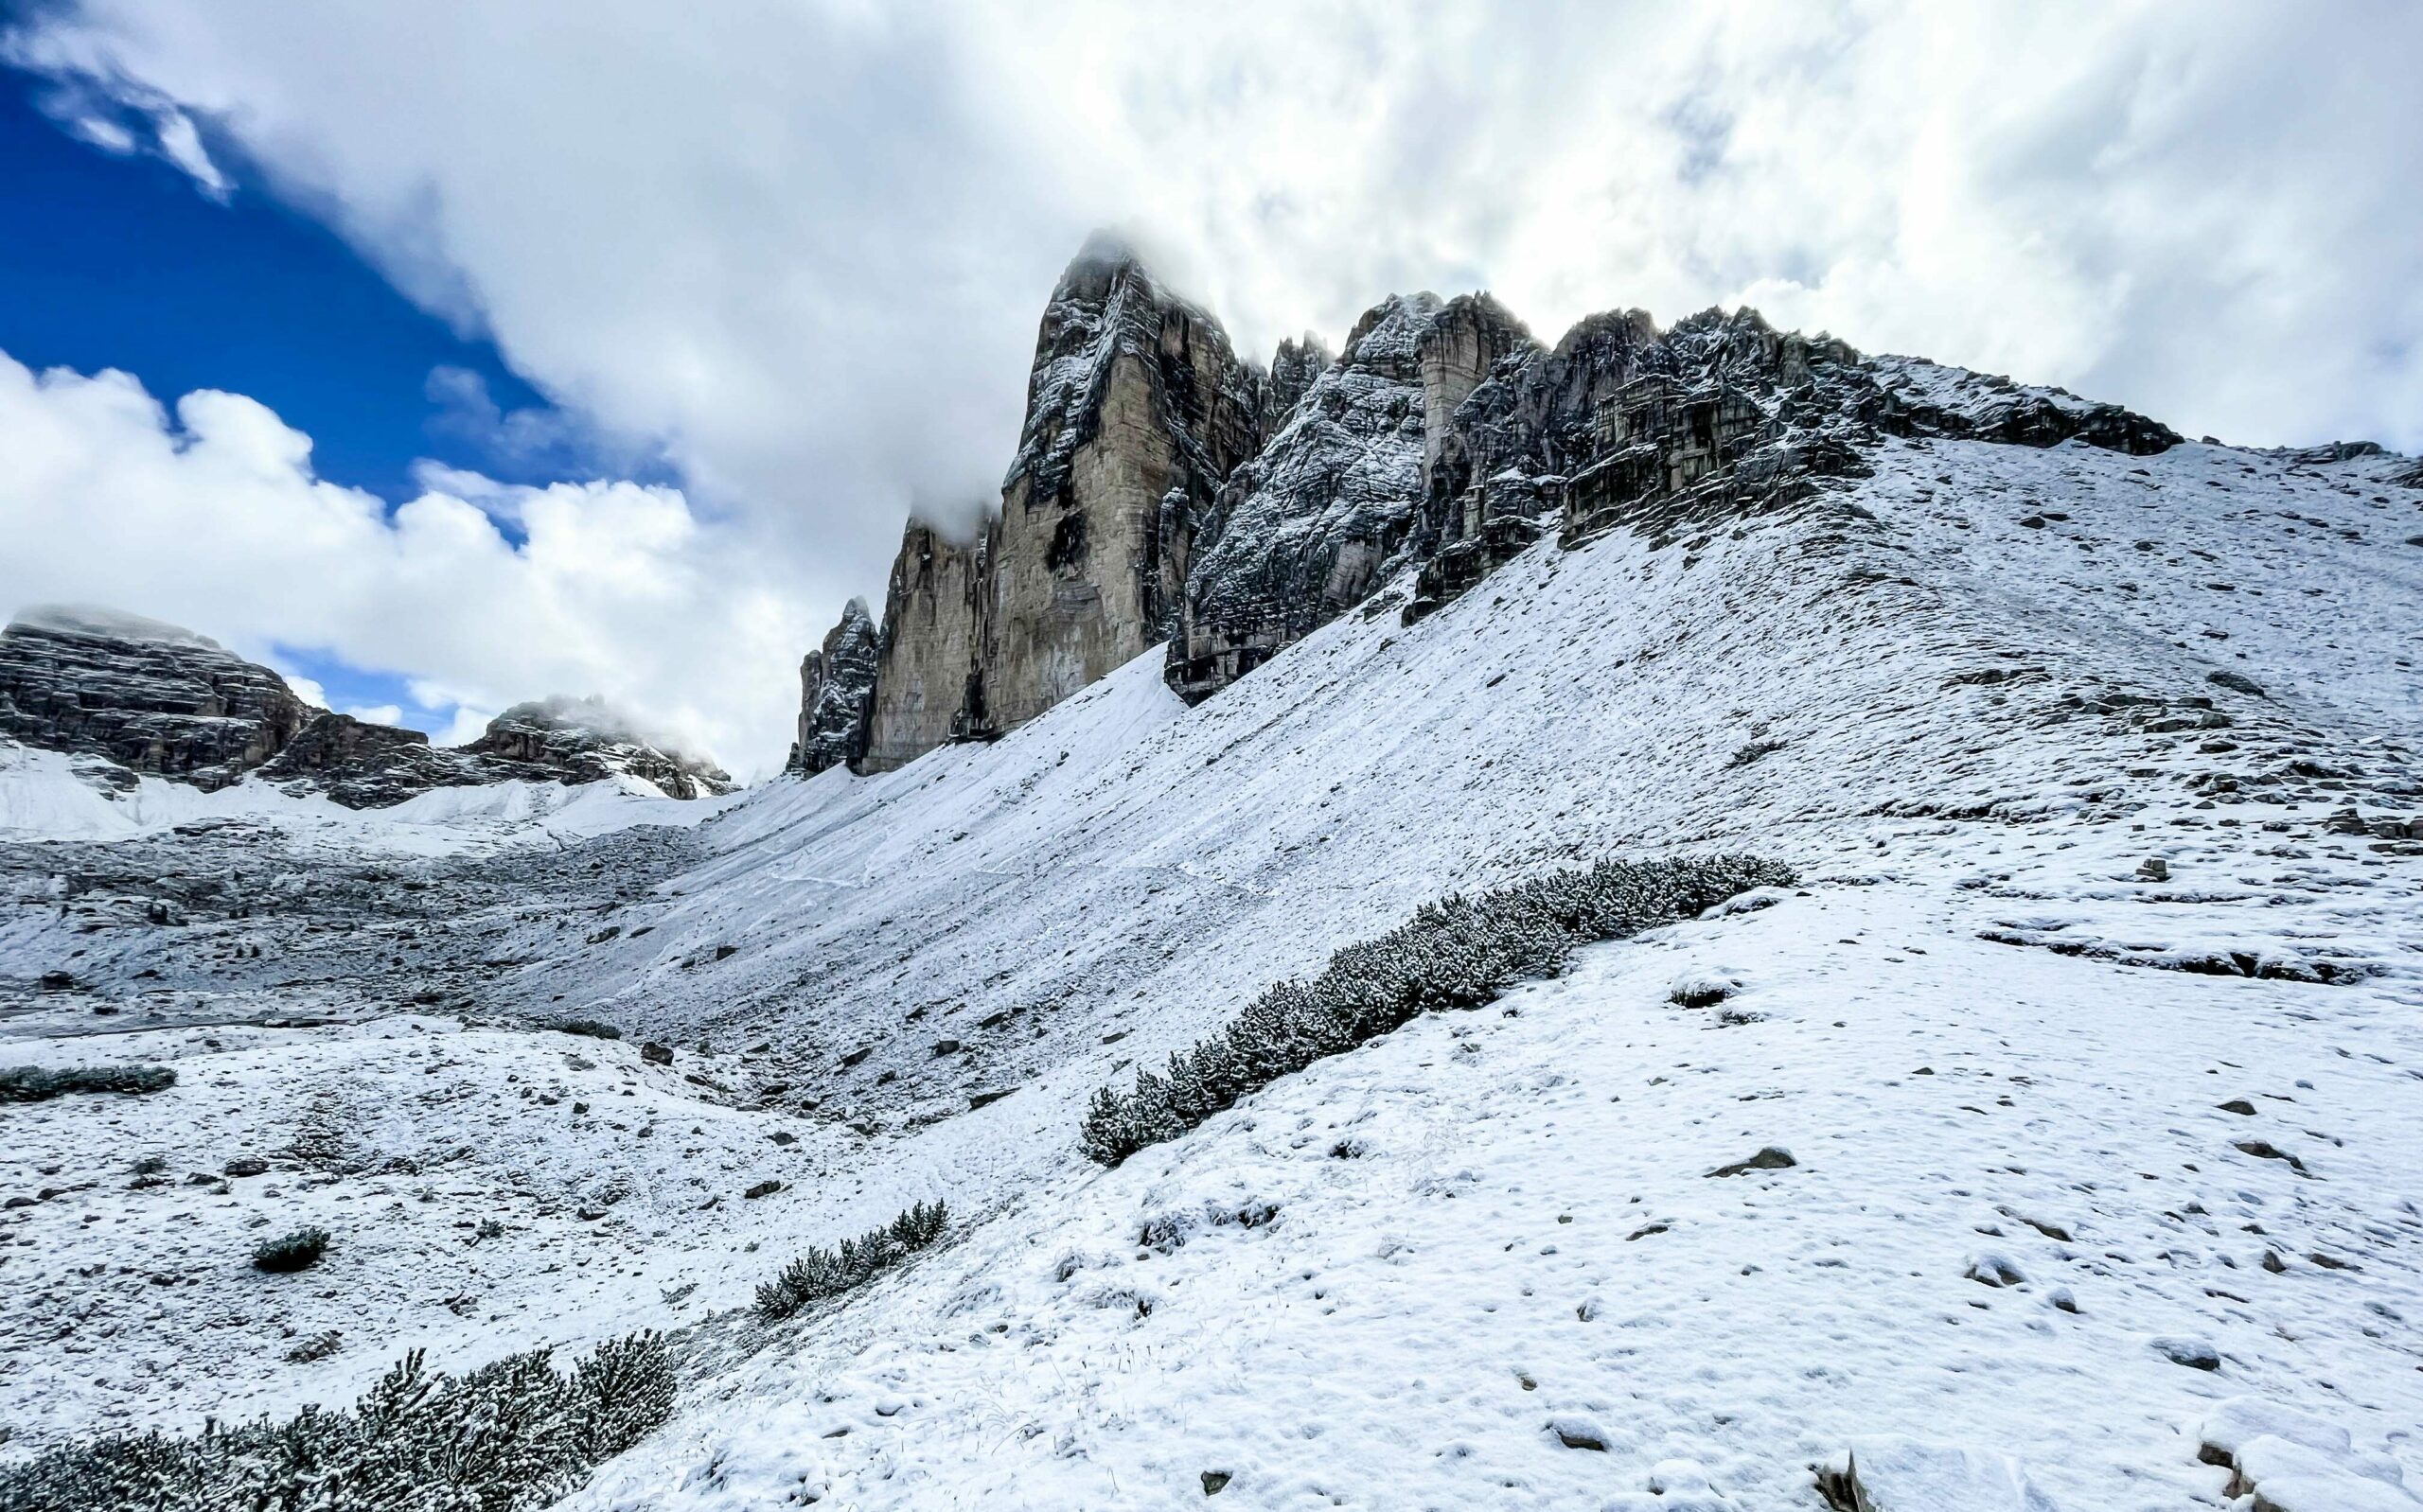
(377, 714)
(213, 518)
(798, 250)
(312, 692)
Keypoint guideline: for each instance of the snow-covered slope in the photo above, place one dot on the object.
(1971, 696)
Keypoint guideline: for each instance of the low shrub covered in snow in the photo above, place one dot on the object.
(35, 1084)
(596, 1029)
(298, 1251)
(1455, 953)
(511, 1436)
(822, 1273)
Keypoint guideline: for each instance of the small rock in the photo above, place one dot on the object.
(1214, 1481)
(655, 1054)
(764, 1188)
(2265, 1150)
(2153, 869)
(986, 1100)
(247, 1166)
(2236, 682)
(1773, 1157)
(2239, 1106)
(2193, 1353)
(1573, 1432)
(1994, 1270)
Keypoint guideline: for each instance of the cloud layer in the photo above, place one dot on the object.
(797, 249)
(211, 518)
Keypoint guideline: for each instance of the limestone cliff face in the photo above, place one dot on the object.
(1303, 531)
(1162, 490)
(837, 695)
(925, 668)
(1136, 411)
(151, 697)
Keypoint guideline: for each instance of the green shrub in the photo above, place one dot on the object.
(596, 1029)
(298, 1251)
(507, 1437)
(36, 1084)
(1455, 953)
(822, 1273)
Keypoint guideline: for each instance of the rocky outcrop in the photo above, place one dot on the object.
(837, 695)
(1137, 412)
(1927, 398)
(584, 740)
(1302, 532)
(1162, 490)
(1293, 368)
(155, 699)
(928, 688)
(151, 697)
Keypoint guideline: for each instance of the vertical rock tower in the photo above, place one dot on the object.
(1136, 411)
(837, 695)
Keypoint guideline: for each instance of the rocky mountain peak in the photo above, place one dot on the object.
(836, 693)
(587, 740)
(160, 700)
(1163, 489)
(151, 697)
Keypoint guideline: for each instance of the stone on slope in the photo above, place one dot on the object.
(151, 697)
(837, 695)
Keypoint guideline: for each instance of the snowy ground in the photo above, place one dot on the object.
(1970, 712)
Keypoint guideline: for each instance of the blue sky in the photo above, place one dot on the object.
(123, 261)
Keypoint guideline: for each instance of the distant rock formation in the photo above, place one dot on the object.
(156, 700)
(584, 740)
(837, 695)
(1163, 490)
(151, 697)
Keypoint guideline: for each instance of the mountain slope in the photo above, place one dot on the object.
(1957, 693)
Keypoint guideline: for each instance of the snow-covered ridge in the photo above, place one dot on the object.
(134, 697)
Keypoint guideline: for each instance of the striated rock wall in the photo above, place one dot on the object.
(1136, 411)
(837, 695)
(928, 686)
(150, 697)
(1164, 490)
(1303, 531)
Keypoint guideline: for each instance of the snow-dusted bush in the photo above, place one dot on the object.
(1458, 952)
(298, 1251)
(35, 1084)
(508, 1436)
(823, 1273)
